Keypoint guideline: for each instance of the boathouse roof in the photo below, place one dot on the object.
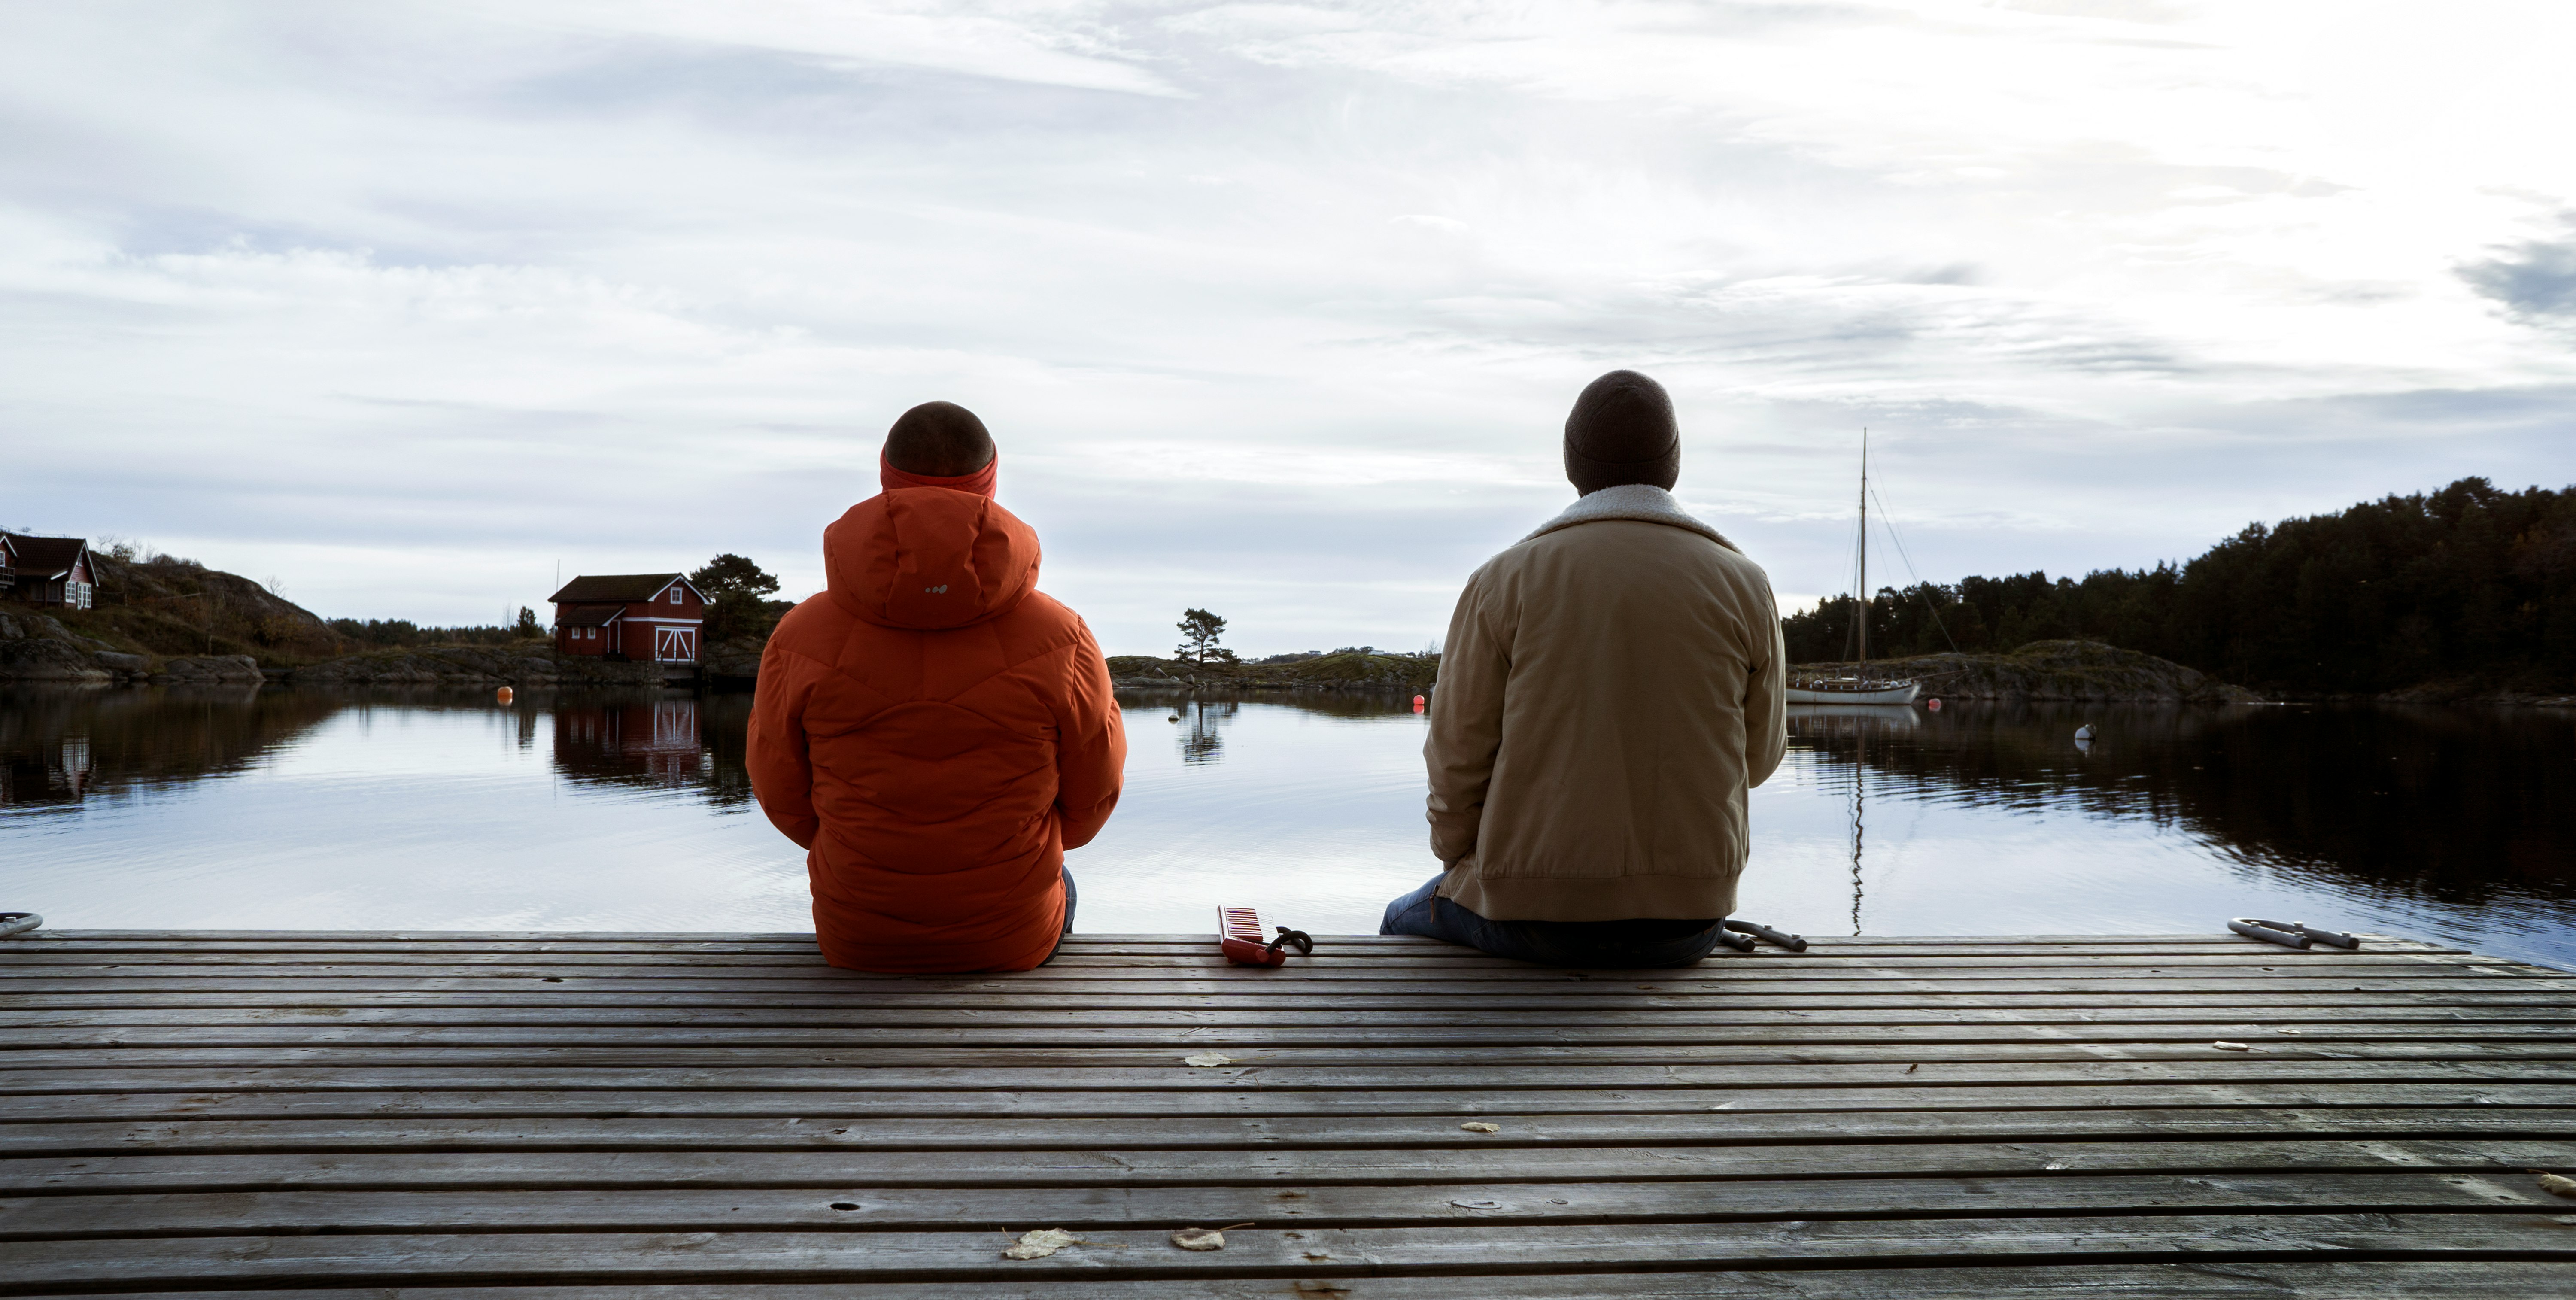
(615, 587)
(590, 615)
(46, 557)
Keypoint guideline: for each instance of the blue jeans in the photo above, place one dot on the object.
(1070, 898)
(1602, 945)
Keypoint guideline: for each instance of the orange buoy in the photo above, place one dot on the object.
(1417, 701)
(504, 695)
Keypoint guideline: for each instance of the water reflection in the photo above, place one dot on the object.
(61, 746)
(368, 809)
(663, 740)
(2458, 805)
(1812, 725)
(1202, 727)
(648, 742)
(164, 807)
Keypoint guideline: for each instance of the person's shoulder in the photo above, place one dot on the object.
(1039, 625)
(1622, 541)
(814, 627)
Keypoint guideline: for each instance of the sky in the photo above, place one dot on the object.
(1274, 309)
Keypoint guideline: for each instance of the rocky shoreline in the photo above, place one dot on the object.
(538, 666)
(1336, 672)
(39, 649)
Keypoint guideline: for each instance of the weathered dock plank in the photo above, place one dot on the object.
(518, 1116)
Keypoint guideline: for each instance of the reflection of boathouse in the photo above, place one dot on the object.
(655, 742)
(45, 770)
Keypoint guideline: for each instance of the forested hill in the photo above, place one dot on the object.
(2467, 586)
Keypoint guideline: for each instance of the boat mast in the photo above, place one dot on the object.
(1862, 612)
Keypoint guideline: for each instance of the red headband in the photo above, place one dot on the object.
(981, 482)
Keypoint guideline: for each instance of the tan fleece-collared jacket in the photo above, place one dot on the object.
(1611, 687)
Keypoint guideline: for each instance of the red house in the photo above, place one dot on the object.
(644, 616)
(47, 570)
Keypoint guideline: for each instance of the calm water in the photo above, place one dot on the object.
(289, 809)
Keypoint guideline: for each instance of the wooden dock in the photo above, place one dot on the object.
(584, 1115)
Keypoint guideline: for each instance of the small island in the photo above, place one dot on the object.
(1361, 668)
(2077, 670)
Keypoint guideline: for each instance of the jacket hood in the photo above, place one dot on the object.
(924, 559)
(1643, 502)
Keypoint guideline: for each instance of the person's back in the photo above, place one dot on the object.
(932, 729)
(1609, 689)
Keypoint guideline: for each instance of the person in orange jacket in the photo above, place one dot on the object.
(931, 729)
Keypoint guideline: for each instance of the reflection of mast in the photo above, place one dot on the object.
(1860, 767)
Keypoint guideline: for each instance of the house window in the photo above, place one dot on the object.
(675, 595)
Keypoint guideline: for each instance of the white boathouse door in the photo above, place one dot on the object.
(675, 644)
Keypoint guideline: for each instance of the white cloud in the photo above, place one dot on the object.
(1278, 305)
(1041, 43)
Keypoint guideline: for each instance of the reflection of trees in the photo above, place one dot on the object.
(1204, 717)
(58, 745)
(724, 723)
(2460, 805)
(1202, 728)
(1337, 704)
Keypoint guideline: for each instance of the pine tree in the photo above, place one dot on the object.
(1199, 632)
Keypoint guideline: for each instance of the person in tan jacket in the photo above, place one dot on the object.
(1611, 686)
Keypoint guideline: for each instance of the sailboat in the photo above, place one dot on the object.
(1856, 689)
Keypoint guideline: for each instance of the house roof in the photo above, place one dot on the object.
(46, 556)
(589, 615)
(615, 586)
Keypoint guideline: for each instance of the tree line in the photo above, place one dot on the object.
(2467, 583)
(739, 604)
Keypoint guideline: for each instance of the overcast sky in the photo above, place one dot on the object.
(1275, 309)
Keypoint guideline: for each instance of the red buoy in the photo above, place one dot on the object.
(504, 695)
(1934, 705)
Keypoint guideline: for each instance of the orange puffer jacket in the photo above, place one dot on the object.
(935, 733)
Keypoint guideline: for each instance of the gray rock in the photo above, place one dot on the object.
(209, 668)
(49, 626)
(122, 663)
(42, 659)
(474, 666)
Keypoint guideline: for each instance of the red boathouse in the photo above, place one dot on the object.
(641, 616)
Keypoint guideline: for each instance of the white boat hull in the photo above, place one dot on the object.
(1892, 693)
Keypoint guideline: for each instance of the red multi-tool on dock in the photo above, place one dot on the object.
(1238, 935)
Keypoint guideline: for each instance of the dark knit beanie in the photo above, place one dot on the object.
(938, 439)
(1622, 431)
